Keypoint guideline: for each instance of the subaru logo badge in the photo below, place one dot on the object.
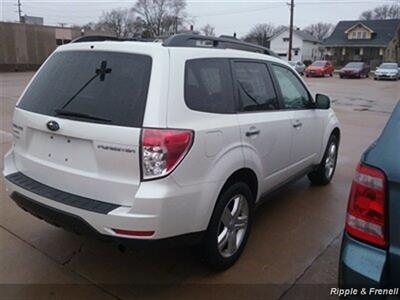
(53, 125)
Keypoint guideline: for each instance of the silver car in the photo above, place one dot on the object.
(387, 71)
(298, 66)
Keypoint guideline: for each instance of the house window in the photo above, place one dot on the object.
(296, 52)
(286, 39)
(357, 51)
(364, 35)
(359, 34)
(353, 34)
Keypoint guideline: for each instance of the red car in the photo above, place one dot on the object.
(320, 68)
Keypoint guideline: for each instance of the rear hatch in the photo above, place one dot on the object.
(77, 126)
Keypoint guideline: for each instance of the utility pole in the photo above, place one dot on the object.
(291, 29)
(19, 10)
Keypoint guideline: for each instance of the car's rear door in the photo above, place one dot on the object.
(95, 103)
(307, 123)
(265, 129)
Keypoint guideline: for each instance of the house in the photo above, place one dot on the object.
(371, 41)
(305, 47)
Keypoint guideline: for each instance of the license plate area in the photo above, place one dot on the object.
(62, 150)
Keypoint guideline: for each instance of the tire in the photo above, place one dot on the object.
(220, 256)
(341, 76)
(323, 174)
(331, 74)
(307, 75)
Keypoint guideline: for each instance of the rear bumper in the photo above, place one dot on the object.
(159, 206)
(79, 226)
(362, 265)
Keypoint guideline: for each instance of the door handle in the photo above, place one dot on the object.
(297, 124)
(252, 132)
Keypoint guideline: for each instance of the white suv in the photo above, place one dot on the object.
(178, 142)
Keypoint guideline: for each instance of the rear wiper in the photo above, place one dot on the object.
(68, 113)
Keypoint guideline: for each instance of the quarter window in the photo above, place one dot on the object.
(255, 87)
(208, 86)
(294, 94)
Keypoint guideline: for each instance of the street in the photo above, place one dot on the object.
(292, 253)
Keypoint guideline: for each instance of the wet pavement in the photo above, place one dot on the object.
(292, 252)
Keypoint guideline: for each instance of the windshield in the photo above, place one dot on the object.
(319, 63)
(92, 87)
(354, 65)
(388, 66)
(292, 63)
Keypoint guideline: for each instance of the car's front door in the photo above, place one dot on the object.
(307, 122)
(265, 129)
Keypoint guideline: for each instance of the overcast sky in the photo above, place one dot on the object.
(227, 16)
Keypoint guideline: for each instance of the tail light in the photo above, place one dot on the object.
(366, 213)
(163, 150)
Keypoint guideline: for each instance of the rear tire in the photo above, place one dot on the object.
(326, 169)
(229, 227)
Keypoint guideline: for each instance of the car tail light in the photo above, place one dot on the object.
(366, 213)
(163, 150)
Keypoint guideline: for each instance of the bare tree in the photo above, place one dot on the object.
(260, 34)
(383, 12)
(122, 22)
(320, 30)
(208, 30)
(161, 17)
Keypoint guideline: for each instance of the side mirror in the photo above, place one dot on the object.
(322, 101)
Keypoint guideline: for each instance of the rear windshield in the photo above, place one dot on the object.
(99, 87)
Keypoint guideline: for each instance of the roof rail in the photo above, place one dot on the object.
(98, 38)
(224, 42)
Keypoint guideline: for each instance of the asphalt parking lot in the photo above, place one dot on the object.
(292, 252)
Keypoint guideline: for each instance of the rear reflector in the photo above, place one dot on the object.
(366, 213)
(133, 232)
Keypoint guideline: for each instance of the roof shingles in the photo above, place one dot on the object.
(384, 32)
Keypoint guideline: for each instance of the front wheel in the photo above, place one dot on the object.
(229, 227)
(326, 169)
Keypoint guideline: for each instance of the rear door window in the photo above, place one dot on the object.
(255, 85)
(108, 87)
(208, 86)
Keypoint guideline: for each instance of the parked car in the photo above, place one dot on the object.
(369, 253)
(151, 143)
(320, 68)
(387, 71)
(298, 66)
(355, 69)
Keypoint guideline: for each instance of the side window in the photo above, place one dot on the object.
(294, 94)
(208, 86)
(255, 86)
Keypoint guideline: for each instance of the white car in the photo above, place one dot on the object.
(175, 142)
(298, 66)
(387, 71)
